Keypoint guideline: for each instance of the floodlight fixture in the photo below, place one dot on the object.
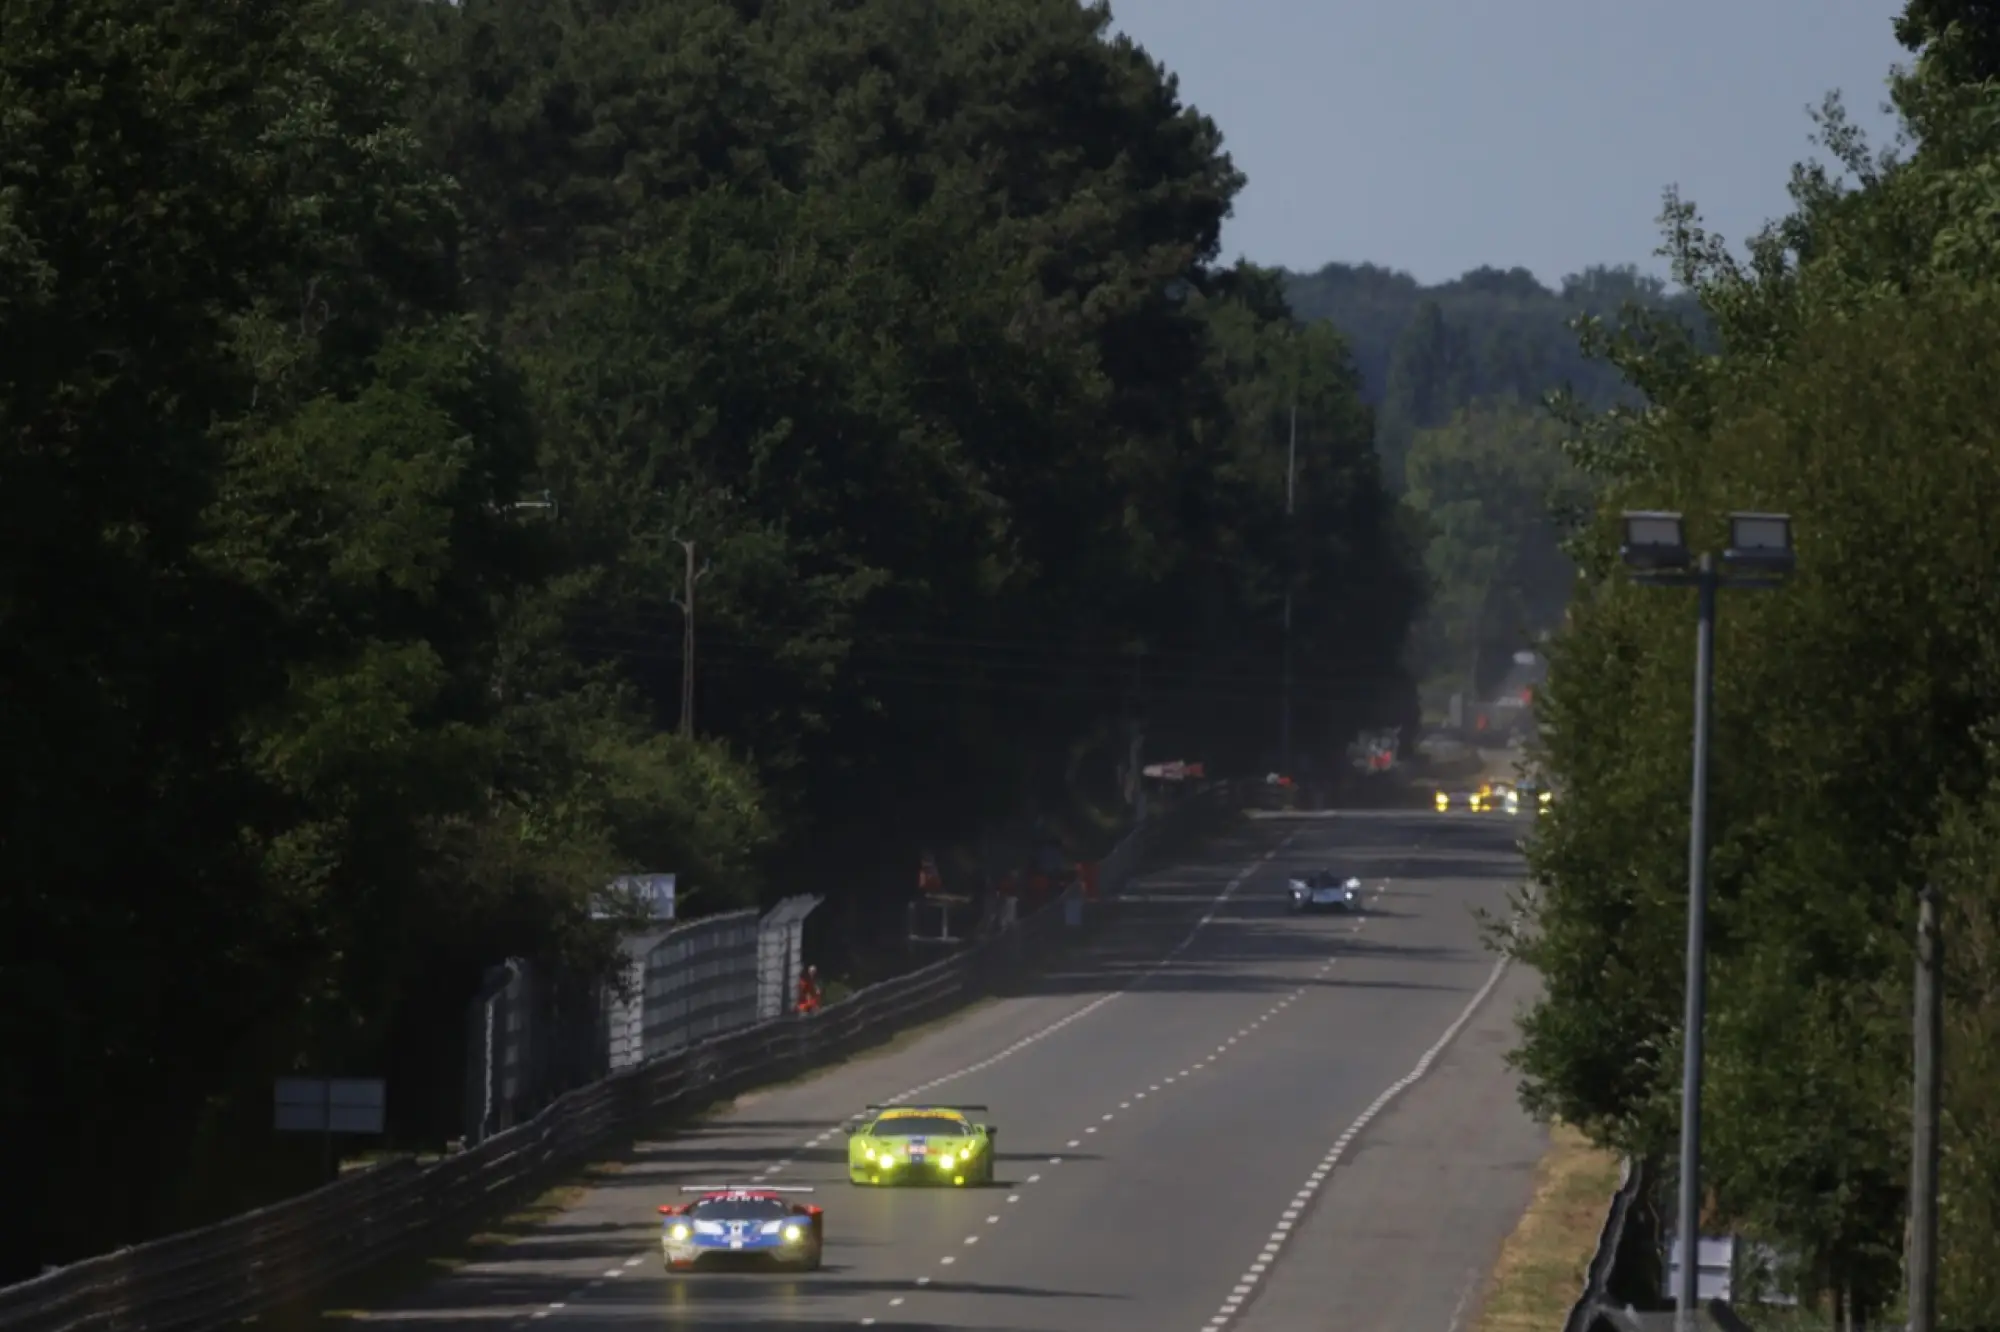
(1761, 541)
(1654, 540)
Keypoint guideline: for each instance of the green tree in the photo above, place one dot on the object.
(1853, 717)
(262, 772)
(1492, 487)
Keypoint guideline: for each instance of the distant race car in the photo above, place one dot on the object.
(754, 1224)
(1491, 797)
(1538, 798)
(1323, 890)
(920, 1144)
(1481, 799)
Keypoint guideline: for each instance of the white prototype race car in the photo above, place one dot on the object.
(1324, 890)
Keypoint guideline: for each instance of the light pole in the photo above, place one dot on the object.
(1655, 548)
(1291, 492)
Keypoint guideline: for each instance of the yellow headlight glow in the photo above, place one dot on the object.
(792, 1234)
(679, 1232)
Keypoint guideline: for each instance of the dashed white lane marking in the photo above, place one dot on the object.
(1280, 1232)
(1173, 954)
(1216, 903)
(1245, 1284)
(1465, 1295)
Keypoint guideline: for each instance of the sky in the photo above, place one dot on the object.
(1435, 136)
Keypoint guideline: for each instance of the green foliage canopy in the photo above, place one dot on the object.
(907, 316)
(1854, 724)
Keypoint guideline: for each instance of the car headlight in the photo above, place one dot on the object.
(678, 1232)
(792, 1234)
(944, 1162)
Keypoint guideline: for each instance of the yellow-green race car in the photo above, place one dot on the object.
(920, 1144)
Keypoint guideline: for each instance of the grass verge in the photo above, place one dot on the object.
(1544, 1263)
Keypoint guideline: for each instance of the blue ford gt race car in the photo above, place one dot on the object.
(746, 1224)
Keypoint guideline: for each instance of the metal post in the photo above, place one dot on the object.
(686, 602)
(1291, 486)
(687, 646)
(1697, 961)
(329, 1169)
(1922, 1275)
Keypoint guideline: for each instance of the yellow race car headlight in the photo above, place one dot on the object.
(678, 1232)
(792, 1234)
(944, 1162)
(1443, 802)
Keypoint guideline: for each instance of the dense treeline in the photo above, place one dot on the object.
(1856, 714)
(1459, 374)
(362, 370)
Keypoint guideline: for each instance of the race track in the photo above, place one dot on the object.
(1210, 1121)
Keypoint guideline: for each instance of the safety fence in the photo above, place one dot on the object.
(533, 1035)
(276, 1256)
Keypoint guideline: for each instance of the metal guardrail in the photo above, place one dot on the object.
(1585, 1314)
(272, 1257)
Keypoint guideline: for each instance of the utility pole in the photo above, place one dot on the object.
(1291, 491)
(686, 602)
(1922, 1275)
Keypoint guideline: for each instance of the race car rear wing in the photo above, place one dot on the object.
(925, 1105)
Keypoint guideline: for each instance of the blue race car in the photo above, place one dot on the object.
(753, 1224)
(1324, 890)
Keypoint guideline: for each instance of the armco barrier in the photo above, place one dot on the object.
(286, 1252)
(1600, 1278)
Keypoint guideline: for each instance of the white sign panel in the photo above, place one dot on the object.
(652, 892)
(330, 1105)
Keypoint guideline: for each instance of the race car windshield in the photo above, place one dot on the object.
(918, 1126)
(739, 1209)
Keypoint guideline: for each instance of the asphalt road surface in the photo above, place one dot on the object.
(1221, 1116)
